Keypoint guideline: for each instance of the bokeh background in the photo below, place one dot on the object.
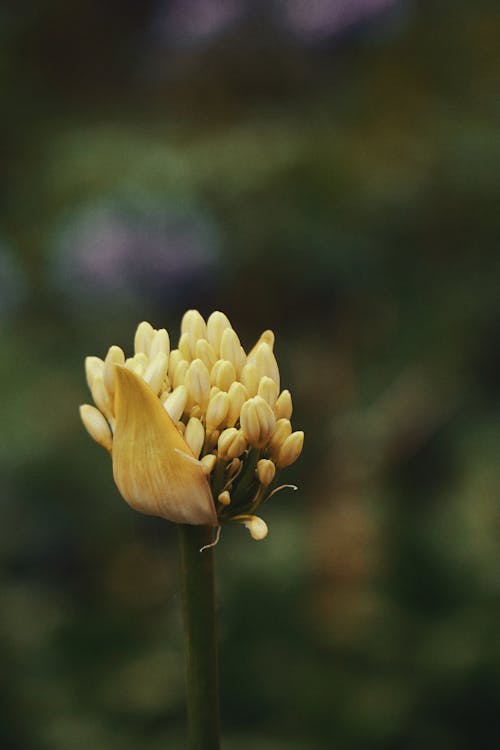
(325, 168)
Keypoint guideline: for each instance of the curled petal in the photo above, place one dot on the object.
(148, 466)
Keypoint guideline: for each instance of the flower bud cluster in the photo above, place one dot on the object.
(227, 405)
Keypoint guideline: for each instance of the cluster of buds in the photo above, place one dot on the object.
(197, 434)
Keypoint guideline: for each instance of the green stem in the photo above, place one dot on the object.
(200, 639)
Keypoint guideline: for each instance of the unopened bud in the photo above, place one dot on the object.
(230, 349)
(266, 471)
(283, 407)
(257, 527)
(223, 374)
(156, 371)
(205, 352)
(217, 323)
(268, 390)
(281, 431)
(265, 362)
(159, 343)
(250, 378)
(96, 425)
(143, 337)
(198, 382)
(195, 436)
(115, 356)
(217, 410)
(238, 394)
(291, 449)
(175, 403)
(180, 373)
(257, 421)
(193, 324)
(94, 366)
(231, 443)
(224, 498)
(208, 462)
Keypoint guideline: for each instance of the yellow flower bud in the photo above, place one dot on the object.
(198, 382)
(266, 471)
(205, 352)
(153, 466)
(93, 366)
(257, 421)
(283, 407)
(265, 363)
(175, 403)
(216, 325)
(159, 343)
(143, 337)
(156, 372)
(290, 449)
(97, 426)
(268, 390)
(224, 498)
(218, 407)
(231, 443)
(115, 356)
(238, 394)
(195, 436)
(223, 374)
(193, 324)
(231, 349)
(250, 378)
(281, 431)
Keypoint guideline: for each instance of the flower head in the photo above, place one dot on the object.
(197, 434)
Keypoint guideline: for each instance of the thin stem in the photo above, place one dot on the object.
(200, 636)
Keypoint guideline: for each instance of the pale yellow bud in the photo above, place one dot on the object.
(268, 390)
(143, 337)
(195, 436)
(281, 431)
(115, 356)
(205, 352)
(156, 371)
(231, 349)
(180, 373)
(93, 366)
(153, 466)
(159, 343)
(250, 378)
(198, 382)
(265, 363)
(224, 498)
(175, 403)
(231, 443)
(217, 323)
(194, 325)
(267, 337)
(238, 394)
(257, 527)
(223, 374)
(101, 396)
(173, 360)
(208, 463)
(283, 407)
(291, 449)
(265, 471)
(185, 347)
(218, 407)
(97, 426)
(257, 421)
(137, 364)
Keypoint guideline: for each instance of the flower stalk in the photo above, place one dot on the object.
(200, 638)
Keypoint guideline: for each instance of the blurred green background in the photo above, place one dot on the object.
(325, 169)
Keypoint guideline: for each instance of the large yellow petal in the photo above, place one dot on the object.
(153, 466)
